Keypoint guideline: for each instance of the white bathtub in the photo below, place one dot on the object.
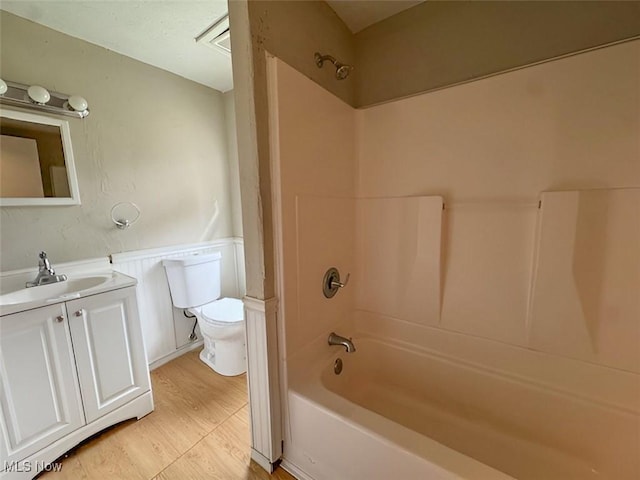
(402, 413)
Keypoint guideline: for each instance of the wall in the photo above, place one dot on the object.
(292, 31)
(167, 153)
(443, 43)
(556, 279)
(315, 177)
(234, 163)
(568, 124)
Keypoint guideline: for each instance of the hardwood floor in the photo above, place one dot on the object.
(199, 430)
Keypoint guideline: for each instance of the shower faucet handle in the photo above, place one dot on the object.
(331, 282)
(338, 284)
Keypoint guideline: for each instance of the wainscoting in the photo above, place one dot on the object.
(264, 390)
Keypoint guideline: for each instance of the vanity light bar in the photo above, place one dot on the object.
(36, 97)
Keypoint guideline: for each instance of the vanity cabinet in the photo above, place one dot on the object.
(39, 394)
(67, 371)
(107, 342)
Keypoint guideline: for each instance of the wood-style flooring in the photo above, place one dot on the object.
(199, 430)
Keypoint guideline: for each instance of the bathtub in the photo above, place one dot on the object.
(406, 413)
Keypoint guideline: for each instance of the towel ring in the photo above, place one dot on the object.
(121, 222)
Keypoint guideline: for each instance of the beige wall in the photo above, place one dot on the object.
(234, 165)
(443, 43)
(152, 138)
(491, 148)
(568, 124)
(315, 134)
(439, 43)
(248, 164)
(292, 31)
(509, 259)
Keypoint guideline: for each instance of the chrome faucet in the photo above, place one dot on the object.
(335, 339)
(46, 273)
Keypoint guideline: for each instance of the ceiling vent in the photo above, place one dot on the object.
(217, 36)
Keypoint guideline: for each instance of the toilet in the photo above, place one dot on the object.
(194, 282)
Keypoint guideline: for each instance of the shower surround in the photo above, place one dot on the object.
(491, 233)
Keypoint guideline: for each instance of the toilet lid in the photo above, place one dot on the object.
(225, 310)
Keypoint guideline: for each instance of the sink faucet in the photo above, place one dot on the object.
(335, 339)
(46, 273)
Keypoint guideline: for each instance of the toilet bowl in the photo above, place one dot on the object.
(194, 283)
(222, 326)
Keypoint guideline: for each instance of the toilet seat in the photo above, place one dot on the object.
(225, 312)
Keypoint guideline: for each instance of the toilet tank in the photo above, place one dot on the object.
(193, 280)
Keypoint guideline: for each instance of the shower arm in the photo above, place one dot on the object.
(320, 59)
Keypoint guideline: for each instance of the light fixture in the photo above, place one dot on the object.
(38, 94)
(36, 97)
(77, 103)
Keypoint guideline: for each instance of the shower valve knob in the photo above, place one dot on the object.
(331, 282)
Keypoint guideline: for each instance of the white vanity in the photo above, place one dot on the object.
(72, 362)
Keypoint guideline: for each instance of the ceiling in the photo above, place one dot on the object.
(162, 33)
(359, 14)
(159, 33)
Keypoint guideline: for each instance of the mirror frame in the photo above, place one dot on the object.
(67, 150)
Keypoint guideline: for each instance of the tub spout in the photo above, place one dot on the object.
(335, 339)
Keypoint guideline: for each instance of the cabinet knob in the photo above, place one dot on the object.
(59, 318)
(79, 313)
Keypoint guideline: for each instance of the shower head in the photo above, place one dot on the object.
(342, 70)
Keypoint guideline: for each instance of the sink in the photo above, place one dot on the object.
(54, 292)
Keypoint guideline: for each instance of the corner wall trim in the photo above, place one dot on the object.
(262, 377)
(261, 460)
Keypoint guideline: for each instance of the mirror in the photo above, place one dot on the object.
(36, 161)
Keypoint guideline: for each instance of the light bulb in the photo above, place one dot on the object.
(77, 103)
(3, 87)
(38, 94)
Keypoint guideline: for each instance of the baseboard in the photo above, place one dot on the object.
(294, 470)
(173, 355)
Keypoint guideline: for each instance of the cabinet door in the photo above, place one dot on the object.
(109, 351)
(39, 395)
